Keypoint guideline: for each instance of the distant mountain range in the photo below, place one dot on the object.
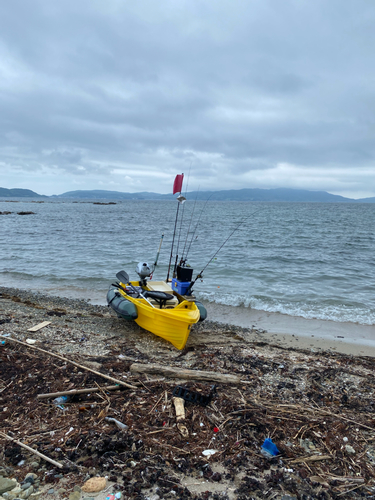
(280, 194)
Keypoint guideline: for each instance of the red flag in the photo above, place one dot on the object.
(177, 185)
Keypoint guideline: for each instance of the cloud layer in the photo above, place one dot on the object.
(124, 95)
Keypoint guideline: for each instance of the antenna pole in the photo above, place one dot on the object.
(174, 234)
(177, 188)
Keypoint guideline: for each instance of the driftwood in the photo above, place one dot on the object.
(170, 372)
(38, 327)
(72, 363)
(32, 450)
(179, 405)
(312, 458)
(73, 392)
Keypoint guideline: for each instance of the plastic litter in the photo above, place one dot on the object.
(60, 401)
(113, 496)
(208, 453)
(269, 449)
(194, 397)
(119, 424)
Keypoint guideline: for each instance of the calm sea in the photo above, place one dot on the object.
(313, 260)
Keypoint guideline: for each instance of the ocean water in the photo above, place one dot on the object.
(312, 260)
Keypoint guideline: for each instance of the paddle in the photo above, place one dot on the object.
(124, 278)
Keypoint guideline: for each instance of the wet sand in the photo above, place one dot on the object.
(293, 331)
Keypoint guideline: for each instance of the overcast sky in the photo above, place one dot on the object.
(123, 95)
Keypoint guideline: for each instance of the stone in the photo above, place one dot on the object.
(14, 493)
(6, 484)
(94, 485)
(26, 493)
(75, 495)
(30, 477)
(349, 449)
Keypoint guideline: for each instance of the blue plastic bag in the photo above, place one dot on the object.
(269, 448)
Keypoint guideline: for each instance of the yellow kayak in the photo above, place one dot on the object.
(162, 311)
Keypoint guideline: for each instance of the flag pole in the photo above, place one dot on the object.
(177, 188)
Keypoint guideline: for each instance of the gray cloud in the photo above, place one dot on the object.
(242, 94)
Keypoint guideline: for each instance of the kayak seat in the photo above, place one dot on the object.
(160, 298)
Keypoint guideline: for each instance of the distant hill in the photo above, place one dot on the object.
(18, 193)
(98, 194)
(280, 194)
(366, 200)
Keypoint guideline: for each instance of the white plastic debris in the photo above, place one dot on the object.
(208, 453)
(119, 424)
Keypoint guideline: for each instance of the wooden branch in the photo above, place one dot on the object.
(179, 405)
(172, 372)
(72, 363)
(38, 327)
(57, 464)
(312, 458)
(73, 392)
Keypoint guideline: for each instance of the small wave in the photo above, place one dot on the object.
(330, 312)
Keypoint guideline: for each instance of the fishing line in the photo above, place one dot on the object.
(199, 275)
(196, 227)
(187, 233)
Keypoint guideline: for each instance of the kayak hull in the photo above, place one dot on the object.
(172, 323)
(122, 307)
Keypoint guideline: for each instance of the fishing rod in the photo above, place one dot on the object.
(199, 275)
(157, 257)
(183, 261)
(196, 227)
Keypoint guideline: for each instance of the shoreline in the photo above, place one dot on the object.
(298, 332)
(292, 394)
(284, 330)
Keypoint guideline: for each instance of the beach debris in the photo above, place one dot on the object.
(121, 382)
(114, 496)
(31, 341)
(321, 400)
(72, 392)
(60, 401)
(194, 397)
(269, 449)
(53, 462)
(119, 424)
(307, 445)
(39, 326)
(179, 405)
(94, 485)
(209, 453)
(184, 373)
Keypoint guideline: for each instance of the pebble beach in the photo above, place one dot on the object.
(315, 405)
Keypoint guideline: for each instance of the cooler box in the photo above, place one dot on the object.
(180, 286)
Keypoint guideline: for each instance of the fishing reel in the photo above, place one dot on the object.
(144, 270)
